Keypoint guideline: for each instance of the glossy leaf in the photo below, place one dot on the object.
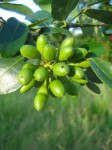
(100, 15)
(42, 2)
(95, 48)
(40, 15)
(19, 8)
(13, 35)
(55, 30)
(9, 69)
(61, 9)
(103, 70)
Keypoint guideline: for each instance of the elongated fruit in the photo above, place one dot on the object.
(66, 53)
(57, 88)
(61, 69)
(69, 41)
(29, 66)
(39, 101)
(81, 81)
(84, 64)
(49, 52)
(41, 42)
(25, 76)
(76, 72)
(43, 89)
(27, 87)
(29, 51)
(41, 74)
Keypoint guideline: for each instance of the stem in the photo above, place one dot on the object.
(73, 25)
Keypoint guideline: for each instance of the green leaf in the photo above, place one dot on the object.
(100, 15)
(13, 35)
(19, 8)
(93, 88)
(42, 2)
(103, 70)
(70, 86)
(40, 15)
(9, 69)
(95, 48)
(55, 30)
(61, 9)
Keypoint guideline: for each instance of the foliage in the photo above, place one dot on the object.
(58, 24)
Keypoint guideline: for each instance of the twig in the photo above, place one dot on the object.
(73, 25)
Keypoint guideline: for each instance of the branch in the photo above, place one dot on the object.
(72, 25)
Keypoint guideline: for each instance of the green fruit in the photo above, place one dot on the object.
(84, 64)
(29, 51)
(25, 76)
(39, 101)
(41, 74)
(61, 69)
(43, 89)
(49, 52)
(79, 54)
(69, 41)
(66, 53)
(76, 72)
(81, 81)
(57, 88)
(26, 88)
(29, 66)
(41, 42)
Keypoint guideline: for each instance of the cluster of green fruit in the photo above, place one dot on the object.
(55, 65)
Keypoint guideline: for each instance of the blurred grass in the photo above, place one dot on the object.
(81, 123)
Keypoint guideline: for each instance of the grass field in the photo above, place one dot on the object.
(81, 123)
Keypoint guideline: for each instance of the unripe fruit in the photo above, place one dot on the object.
(39, 101)
(25, 76)
(49, 52)
(84, 64)
(43, 89)
(25, 88)
(41, 42)
(81, 81)
(69, 41)
(76, 72)
(57, 88)
(66, 53)
(29, 66)
(41, 74)
(29, 51)
(61, 69)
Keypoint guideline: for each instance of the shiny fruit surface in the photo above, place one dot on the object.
(39, 101)
(41, 74)
(66, 53)
(25, 76)
(61, 69)
(49, 52)
(57, 88)
(69, 41)
(41, 42)
(29, 51)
